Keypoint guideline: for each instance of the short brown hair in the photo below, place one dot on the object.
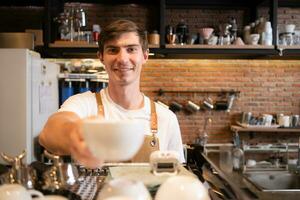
(118, 27)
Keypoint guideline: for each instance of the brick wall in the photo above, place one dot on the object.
(266, 86)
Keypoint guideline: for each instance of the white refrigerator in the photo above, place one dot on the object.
(28, 96)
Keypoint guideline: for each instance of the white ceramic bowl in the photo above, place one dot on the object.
(122, 188)
(182, 188)
(289, 28)
(113, 140)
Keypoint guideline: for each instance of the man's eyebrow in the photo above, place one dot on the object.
(115, 46)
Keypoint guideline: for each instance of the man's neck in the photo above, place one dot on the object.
(129, 98)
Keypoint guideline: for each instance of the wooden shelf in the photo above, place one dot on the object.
(236, 128)
(161, 91)
(74, 44)
(288, 47)
(205, 46)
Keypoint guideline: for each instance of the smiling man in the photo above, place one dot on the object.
(123, 49)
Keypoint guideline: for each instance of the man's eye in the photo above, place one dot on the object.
(111, 50)
(132, 49)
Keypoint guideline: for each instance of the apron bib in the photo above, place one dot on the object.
(151, 142)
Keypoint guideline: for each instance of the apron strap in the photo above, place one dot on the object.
(153, 123)
(99, 104)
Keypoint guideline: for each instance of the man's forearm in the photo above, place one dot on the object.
(55, 136)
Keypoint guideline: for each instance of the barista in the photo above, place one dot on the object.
(123, 49)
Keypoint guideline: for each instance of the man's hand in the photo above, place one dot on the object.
(62, 135)
(78, 148)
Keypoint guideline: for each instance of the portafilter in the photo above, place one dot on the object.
(60, 175)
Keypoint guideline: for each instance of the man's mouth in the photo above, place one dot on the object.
(123, 69)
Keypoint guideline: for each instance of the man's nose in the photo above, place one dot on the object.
(123, 56)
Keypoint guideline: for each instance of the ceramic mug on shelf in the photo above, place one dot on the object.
(254, 38)
(267, 119)
(284, 121)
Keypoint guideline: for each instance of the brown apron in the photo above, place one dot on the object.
(151, 143)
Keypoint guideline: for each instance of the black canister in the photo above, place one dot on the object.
(182, 32)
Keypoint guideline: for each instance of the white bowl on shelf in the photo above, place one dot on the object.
(289, 28)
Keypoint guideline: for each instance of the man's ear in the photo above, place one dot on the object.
(146, 55)
(100, 56)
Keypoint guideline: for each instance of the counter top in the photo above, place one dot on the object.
(238, 184)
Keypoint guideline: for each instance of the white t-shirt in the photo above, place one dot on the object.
(85, 105)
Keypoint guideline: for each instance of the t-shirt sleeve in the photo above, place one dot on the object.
(175, 142)
(82, 104)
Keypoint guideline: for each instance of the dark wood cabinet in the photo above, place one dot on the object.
(159, 17)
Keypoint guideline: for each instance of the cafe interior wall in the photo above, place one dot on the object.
(266, 86)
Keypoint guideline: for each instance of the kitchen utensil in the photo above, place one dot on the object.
(230, 100)
(254, 38)
(203, 136)
(221, 105)
(284, 121)
(182, 32)
(289, 28)
(267, 119)
(206, 32)
(246, 117)
(153, 38)
(294, 120)
(192, 107)
(175, 106)
(171, 38)
(208, 103)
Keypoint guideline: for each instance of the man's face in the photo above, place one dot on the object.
(123, 59)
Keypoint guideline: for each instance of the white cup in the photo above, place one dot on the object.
(122, 188)
(267, 119)
(284, 121)
(113, 140)
(254, 38)
(17, 192)
(289, 28)
(182, 188)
